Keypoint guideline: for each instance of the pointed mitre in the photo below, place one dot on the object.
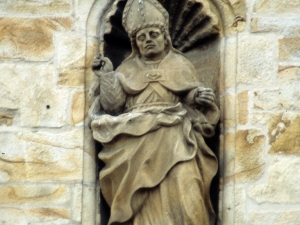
(139, 14)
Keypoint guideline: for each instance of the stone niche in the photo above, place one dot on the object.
(200, 29)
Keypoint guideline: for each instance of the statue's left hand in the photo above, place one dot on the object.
(204, 96)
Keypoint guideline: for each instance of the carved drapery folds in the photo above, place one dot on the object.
(156, 111)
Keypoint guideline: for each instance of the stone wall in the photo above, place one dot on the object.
(261, 116)
(42, 106)
(47, 157)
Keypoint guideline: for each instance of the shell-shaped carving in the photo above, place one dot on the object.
(192, 23)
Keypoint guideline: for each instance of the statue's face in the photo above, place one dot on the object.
(151, 43)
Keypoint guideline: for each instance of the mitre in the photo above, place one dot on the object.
(139, 14)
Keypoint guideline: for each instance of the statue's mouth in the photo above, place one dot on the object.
(150, 46)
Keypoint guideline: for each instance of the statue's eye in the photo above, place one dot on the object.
(141, 38)
(154, 34)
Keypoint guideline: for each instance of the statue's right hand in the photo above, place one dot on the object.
(101, 65)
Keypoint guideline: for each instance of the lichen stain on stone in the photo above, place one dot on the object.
(285, 136)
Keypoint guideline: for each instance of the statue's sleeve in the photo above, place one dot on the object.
(112, 95)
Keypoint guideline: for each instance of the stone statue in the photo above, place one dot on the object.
(153, 121)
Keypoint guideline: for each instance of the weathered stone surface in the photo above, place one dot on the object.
(239, 7)
(89, 195)
(227, 208)
(76, 202)
(242, 107)
(78, 107)
(63, 139)
(288, 217)
(40, 104)
(82, 11)
(6, 119)
(12, 146)
(12, 150)
(256, 66)
(284, 135)
(39, 157)
(37, 7)
(240, 204)
(229, 110)
(282, 184)
(51, 163)
(229, 146)
(273, 6)
(71, 60)
(289, 72)
(91, 51)
(283, 131)
(30, 39)
(277, 99)
(34, 194)
(249, 162)
(276, 24)
(35, 216)
(289, 48)
(229, 74)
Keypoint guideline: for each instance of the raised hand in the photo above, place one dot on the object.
(204, 96)
(101, 65)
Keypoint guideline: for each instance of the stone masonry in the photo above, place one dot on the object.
(47, 156)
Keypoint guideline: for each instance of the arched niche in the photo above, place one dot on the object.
(206, 34)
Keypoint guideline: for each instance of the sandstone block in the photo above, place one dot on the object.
(12, 152)
(78, 107)
(12, 147)
(289, 72)
(276, 24)
(285, 98)
(249, 161)
(283, 181)
(37, 7)
(242, 107)
(53, 164)
(71, 60)
(283, 6)
(256, 66)
(34, 194)
(40, 104)
(30, 158)
(289, 49)
(17, 216)
(30, 39)
(284, 135)
(62, 139)
(288, 217)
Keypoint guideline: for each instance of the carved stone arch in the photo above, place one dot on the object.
(212, 56)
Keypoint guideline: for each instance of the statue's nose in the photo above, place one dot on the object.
(148, 39)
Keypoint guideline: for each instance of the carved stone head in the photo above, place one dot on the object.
(147, 25)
